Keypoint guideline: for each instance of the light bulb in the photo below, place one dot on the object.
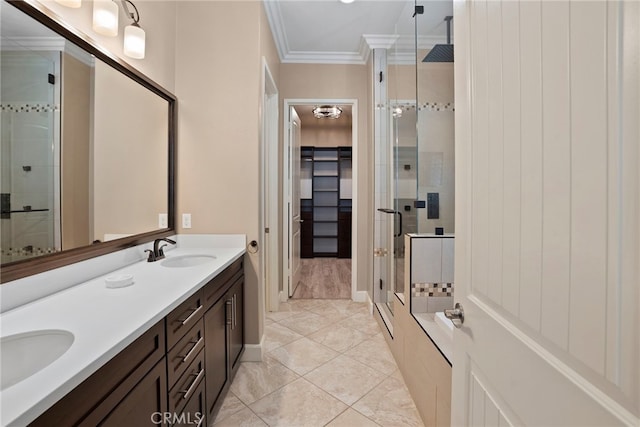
(105, 17)
(134, 41)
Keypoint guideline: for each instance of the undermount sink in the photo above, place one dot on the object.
(187, 260)
(25, 354)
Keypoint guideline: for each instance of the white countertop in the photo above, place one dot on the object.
(104, 321)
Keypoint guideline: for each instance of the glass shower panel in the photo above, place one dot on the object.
(435, 123)
(29, 153)
(402, 116)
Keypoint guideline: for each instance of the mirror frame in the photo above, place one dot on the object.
(19, 269)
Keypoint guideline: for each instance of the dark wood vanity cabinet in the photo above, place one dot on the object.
(175, 374)
(224, 333)
(130, 387)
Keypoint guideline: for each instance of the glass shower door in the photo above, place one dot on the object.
(28, 154)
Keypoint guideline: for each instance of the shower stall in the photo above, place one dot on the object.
(414, 143)
(29, 152)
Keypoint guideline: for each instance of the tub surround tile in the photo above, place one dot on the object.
(299, 403)
(345, 378)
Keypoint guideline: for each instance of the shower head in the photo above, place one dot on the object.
(442, 52)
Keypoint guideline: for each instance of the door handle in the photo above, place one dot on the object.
(456, 315)
(391, 211)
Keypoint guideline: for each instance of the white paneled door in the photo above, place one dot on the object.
(294, 200)
(547, 213)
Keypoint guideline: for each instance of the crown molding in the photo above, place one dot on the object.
(401, 47)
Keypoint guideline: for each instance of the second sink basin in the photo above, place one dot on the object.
(27, 353)
(187, 260)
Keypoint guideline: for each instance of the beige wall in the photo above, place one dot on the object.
(130, 158)
(219, 120)
(77, 81)
(157, 18)
(325, 136)
(321, 81)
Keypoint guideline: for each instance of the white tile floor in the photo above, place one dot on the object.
(326, 364)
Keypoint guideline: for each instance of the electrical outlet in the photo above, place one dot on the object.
(163, 220)
(186, 220)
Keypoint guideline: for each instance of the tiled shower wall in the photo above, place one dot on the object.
(432, 281)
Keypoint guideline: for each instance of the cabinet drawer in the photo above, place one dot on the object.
(187, 385)
(184, 352)
(193, 412)
(183, 318)
(218, 285)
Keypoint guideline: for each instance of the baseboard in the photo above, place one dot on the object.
(253, 352)
(361, 296)
(283, 296)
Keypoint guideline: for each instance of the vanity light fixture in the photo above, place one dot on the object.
(134, 36)
(327, 112)
(105, 22)
(74, 4)
(105, 17)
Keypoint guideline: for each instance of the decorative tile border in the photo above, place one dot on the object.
(24, 251)
(436, 290)
(427, 106)
(29, 108)
(437, 106)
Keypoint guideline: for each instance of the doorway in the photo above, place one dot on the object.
(323, 189)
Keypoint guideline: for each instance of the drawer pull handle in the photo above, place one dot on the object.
(188, 392)
(193, 313)
(229, 304)
(196, 344)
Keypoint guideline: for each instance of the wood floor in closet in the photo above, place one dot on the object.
(328, 278)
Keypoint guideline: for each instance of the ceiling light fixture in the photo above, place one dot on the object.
(327, 112)
(346, 1)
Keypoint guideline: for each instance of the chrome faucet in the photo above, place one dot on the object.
(157, 253)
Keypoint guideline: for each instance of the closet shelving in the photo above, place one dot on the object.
(326, 202)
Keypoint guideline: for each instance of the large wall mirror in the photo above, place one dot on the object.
(87, 147)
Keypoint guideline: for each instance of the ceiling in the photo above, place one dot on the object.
(328, 31)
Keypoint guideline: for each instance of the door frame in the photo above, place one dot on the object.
(289, 102)
(269, 259)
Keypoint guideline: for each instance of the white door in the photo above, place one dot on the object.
(294, 200)
(547, 213)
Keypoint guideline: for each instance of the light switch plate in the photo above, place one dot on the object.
(163, 220)
(186, 220)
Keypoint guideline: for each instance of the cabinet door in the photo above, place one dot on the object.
(148, 399)
(237, 324)
(215, 350)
